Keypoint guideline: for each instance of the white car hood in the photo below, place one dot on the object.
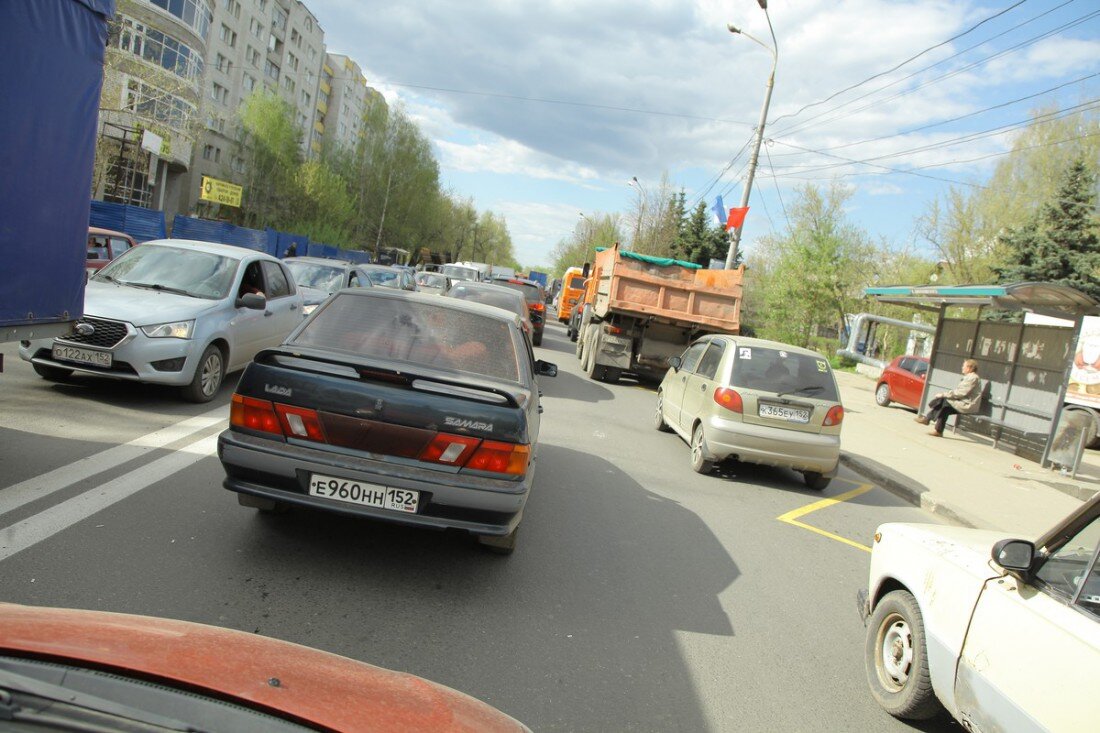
(963, 547)
(141, 306)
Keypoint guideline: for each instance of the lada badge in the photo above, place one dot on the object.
(278, 390)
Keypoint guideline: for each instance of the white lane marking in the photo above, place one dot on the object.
(45, 524)
(17, 495)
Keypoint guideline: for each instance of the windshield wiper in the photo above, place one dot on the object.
(65, 706)
(158, 287)
(807, 388)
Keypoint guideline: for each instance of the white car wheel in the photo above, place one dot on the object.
(897, 659)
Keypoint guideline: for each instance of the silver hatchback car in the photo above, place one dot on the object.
(755, 401)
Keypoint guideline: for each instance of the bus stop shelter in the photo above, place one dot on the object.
(1024, 367)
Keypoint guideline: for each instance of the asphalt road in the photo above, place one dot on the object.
(641, 597)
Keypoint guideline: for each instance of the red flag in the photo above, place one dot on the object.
(737, 218)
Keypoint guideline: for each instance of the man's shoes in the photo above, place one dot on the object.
(935, 432)
(922, 419)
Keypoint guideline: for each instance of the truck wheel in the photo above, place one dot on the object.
(572, 334)
(699, 461)
(579, 338)
(52, 373)
(208, 376)
(659, 415)
(896, 658)
(815, 480)
(611, 375)
(882, 395)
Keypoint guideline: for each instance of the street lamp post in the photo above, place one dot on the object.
(641, 211)
(735, 234)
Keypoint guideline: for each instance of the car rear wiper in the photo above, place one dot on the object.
(807, 388)
(158, 287)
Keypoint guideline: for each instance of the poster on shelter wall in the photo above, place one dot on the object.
(1084, 375)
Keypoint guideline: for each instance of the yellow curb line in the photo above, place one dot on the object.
(791, 517)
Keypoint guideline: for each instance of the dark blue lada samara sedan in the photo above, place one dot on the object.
(396, 406)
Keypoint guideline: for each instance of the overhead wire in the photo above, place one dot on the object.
(957, 36)
(929, 82)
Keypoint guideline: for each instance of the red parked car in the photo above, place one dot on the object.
(103, 246)
(902, 381)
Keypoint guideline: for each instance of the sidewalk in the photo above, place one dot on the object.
(959, 477)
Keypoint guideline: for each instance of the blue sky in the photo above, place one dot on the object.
(539, 111)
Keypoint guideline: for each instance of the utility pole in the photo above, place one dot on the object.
(735, 233)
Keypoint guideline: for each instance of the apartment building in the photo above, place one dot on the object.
(272, 45)
(347, 100)
(154, 68)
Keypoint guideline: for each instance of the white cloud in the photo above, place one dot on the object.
(537, 227)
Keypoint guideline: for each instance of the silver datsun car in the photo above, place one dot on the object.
(175, 312)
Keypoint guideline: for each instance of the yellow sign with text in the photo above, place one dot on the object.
(220, 192)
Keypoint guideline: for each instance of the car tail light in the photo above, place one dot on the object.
(449, 449)
(300, 422)
(253, 414)
(613, 330)
(729, 399)
(834, 416)
(508, 458)
(537, 306)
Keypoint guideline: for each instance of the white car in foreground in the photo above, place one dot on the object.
(1003, 633)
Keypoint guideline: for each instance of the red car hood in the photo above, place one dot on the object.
(315, 687)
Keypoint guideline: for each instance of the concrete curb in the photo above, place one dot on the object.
(910, 492)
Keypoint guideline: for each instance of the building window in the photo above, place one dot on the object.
(311, 53)
(209, 152)
(229, 37)
(256, 28)
(221, 63)
(234, 8)
(302, 121)
(271, 70)
(309, 24)
(292, 61)
(288, 83)
(305, 98)
(322, 97)
(153, 103)
(274, 45)
(278, 18)
(296, 37)
(197, 14)
(237, 164)
(248, 83)
(253, 57)
(158, 48)
(219, 93)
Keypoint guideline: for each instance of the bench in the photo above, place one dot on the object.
(984, 416)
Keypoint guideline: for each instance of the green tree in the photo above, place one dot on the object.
(599, 230)
(700, 241)
(818, 271)
(271, 146)
(1059, 243)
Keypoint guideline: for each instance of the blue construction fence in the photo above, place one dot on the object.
(145, 224)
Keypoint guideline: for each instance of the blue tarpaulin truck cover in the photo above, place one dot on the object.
(51, 52)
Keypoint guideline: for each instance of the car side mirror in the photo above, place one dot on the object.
(675, 362)
(546, 369)
(1015, 555)
(252, 301)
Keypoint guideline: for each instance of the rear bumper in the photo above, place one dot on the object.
(280, 471)
(773, 446)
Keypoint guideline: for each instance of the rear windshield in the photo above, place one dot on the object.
(417, 333)
(311, 275)
(385, 278)
(457, 272)
(575, 281)
(484, 295)
(778, 371)
(530, 292)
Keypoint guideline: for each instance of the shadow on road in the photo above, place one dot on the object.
(574, 632)
(569, 386)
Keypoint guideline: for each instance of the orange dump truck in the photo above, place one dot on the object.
(640, 310)
(572, 288)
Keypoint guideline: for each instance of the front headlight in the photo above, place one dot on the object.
(307, 309)
(176, 330)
